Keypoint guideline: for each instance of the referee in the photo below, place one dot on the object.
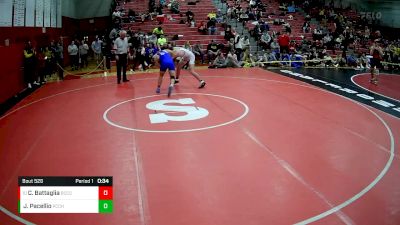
(121, 55)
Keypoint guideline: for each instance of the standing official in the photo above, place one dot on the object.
(121, 55)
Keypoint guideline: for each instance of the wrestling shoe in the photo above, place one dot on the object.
(170, 90)
(202, 84)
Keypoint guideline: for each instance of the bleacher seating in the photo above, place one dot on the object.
(171, 28)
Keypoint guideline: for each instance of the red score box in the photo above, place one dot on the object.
(105, 193)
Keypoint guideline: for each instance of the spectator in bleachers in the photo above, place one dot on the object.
(306, 27)
(328, 41)
(272, 57)
(321, 14)
(117, 14)
(189, 16)
(174, 6)
(252, 15)
(367, 33)
(259, 59)
(256, 32)
(188, 46)
(259, 15)
(152, 39)
(306, 6)
(284, 41)
(131, 15)
(219, 16)
(249, 60)
(212, 26)
(211, 15)
(283, 6)
(253, 4)
(245, 43)
(347, 36)
(275, 48)
(396, 54)
(142, 37)
(152, 6)
(238, 46)
(342, 59)
(304, 47)
(219, 62)
(233, 61)
(202, 28)
(228, 33)
(229, 12)
(264, 26)
(362, 61)
(244, 17)
(163, 3)
(338, 41)
(162, 40)
(287, 28)
(158, 31)
(135, 41)
(198, 51)
(212, 51)
(317, 34)
(230, 45)
(159, 9)
(265, 40)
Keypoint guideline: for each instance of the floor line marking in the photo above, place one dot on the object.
(15, 217)
(342, 216)
(304, 84)
(326, 213)
(139, 186)
(364, 74)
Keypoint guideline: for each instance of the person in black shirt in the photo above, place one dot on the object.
(211, 26)
(228, 33)
(212, 51)
(29, 64)
(189, 16)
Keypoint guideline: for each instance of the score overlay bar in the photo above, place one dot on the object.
(65, 195)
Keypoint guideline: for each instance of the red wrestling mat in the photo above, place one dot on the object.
(252, 147)
(388, 86)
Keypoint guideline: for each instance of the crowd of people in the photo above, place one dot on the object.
(336, 41)
(41, 62)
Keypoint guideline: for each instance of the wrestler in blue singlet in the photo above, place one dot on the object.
(166, 61)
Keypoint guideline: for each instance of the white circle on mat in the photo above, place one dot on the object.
(245, 112)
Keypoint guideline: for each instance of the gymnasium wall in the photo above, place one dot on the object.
(11, 79)
(79, 18)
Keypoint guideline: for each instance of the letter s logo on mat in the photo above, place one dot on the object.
(169, 107)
